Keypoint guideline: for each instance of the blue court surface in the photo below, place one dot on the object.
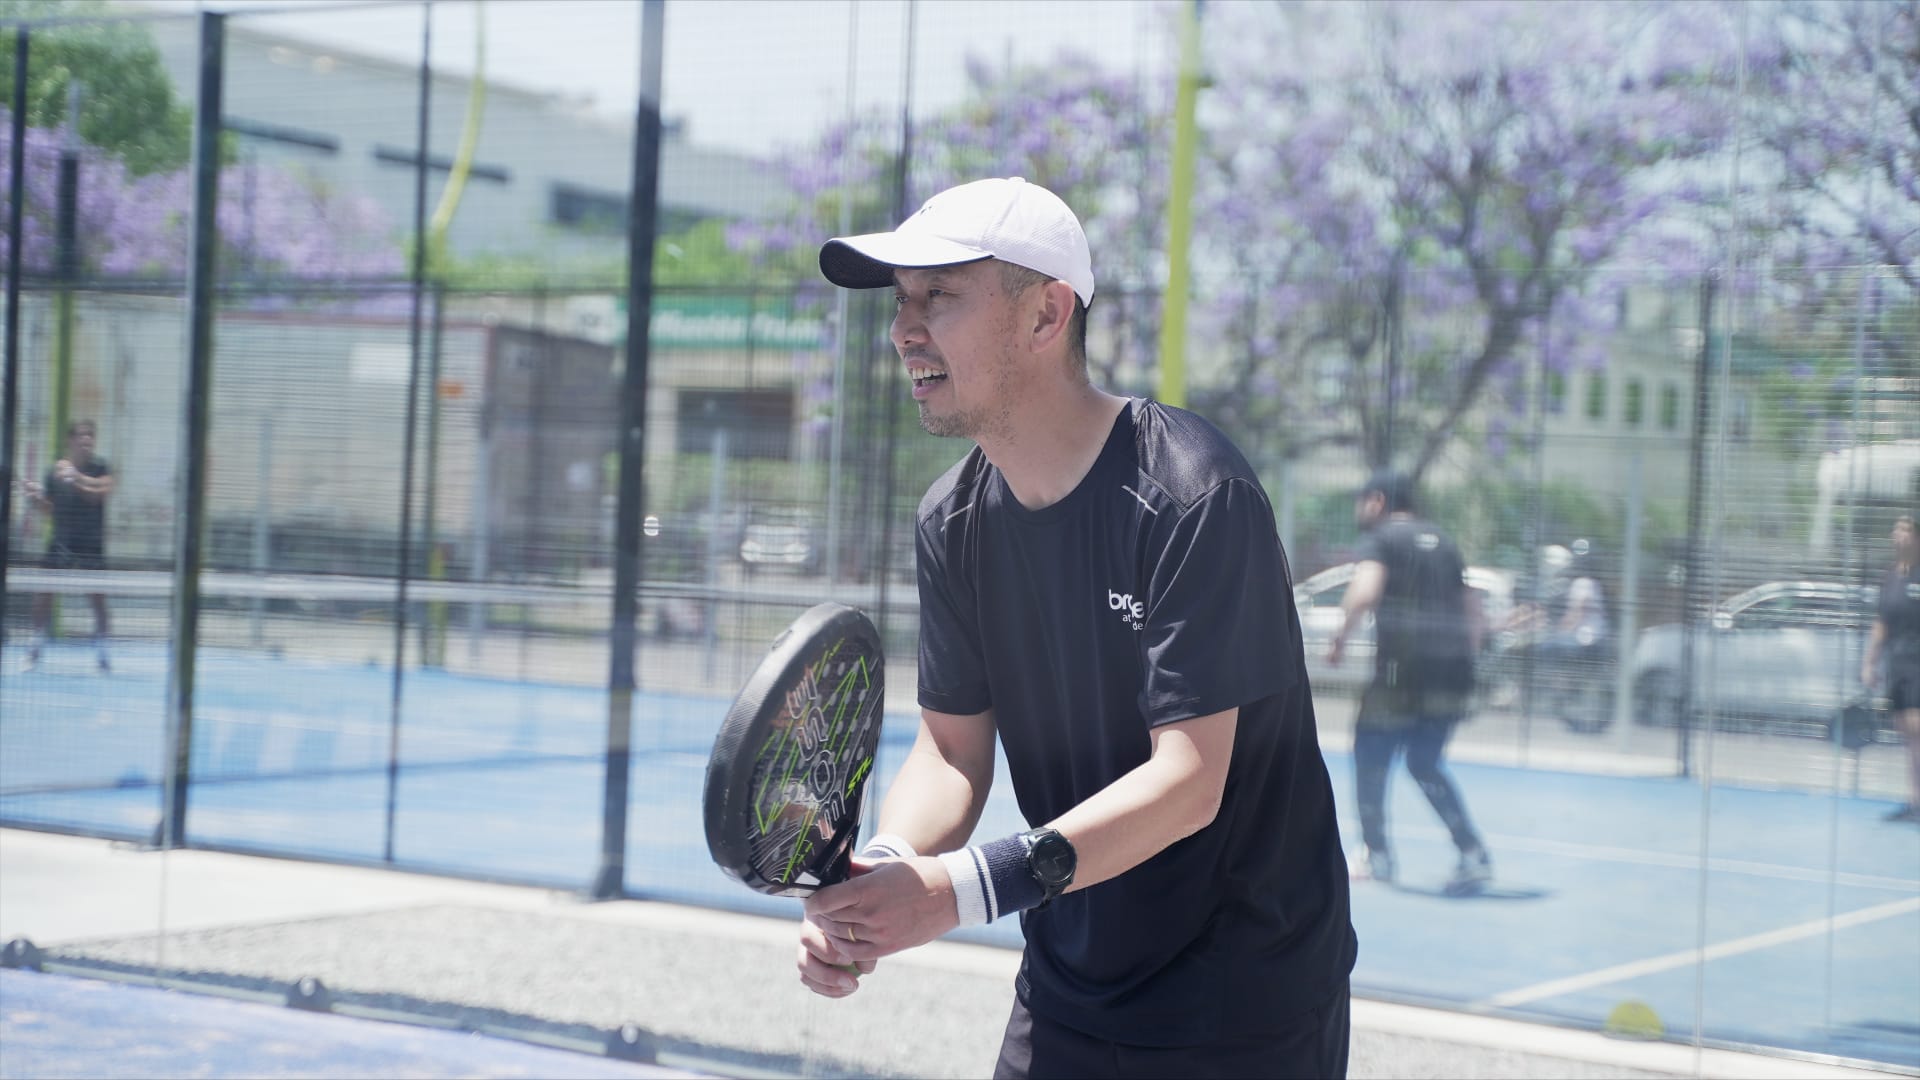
(1811, 924)
(55, 1026)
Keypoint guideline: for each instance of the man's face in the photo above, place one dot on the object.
(1368, 509)
(955, 329)
(80, 444)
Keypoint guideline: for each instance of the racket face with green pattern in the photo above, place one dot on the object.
(788, 775)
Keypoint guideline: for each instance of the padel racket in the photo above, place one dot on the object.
(789, 769)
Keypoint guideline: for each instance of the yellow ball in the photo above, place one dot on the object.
(1635, 1020)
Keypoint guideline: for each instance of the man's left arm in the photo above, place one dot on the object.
(1173, 794)
(96, 488)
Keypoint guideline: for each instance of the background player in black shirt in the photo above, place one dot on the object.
(1893, 651)
(1427, 627)
(75, 495)
(1102, 589)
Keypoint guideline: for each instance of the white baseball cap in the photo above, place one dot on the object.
(1010, 220)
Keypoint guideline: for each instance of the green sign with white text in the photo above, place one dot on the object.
(729, 322)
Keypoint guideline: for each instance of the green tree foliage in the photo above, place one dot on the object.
(127, 104)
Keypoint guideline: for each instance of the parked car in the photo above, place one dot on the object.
(1784, 656)
(1318, 601)
(780, 537)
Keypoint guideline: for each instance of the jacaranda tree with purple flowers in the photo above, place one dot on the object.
(1839, 118)
(1086, 133)
(273, 223)
(1411, 198)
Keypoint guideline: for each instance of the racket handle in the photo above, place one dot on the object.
(842, 866)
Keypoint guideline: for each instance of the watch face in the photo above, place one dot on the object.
(1052, 859)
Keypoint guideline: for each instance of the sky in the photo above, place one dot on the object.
(750, 75)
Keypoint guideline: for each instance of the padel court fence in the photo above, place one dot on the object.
(383, 587)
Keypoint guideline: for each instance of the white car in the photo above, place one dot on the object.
(1318, 600)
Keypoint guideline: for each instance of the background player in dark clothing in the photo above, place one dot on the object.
(75, 495)
(1893, 651)
(1427, 627)
(1102, 589)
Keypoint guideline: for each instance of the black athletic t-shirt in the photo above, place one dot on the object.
(1420, 626)
(79, 521)
(1899, 612)
(1155, 592)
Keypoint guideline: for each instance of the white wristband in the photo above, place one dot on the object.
(970, 883)
(887, 846)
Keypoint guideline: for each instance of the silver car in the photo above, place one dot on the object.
(1783, 656)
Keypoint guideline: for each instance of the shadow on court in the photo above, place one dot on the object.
(1489, 893)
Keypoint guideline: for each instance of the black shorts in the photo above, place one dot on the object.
(1314, 1045)
(1399, 708)
(1903, 683)
(74, 557)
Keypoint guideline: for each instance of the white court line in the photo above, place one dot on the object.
(1638, 857)
(1686, 957)
(1692, 862)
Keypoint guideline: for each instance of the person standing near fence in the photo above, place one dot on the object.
(74, 494)
(1427, 627)
(1893, 652)
(1102, 588)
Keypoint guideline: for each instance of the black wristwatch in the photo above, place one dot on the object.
(1051, 860)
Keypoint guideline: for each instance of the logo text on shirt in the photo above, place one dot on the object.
(1132, 612)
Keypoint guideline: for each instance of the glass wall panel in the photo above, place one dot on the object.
(1628, 292)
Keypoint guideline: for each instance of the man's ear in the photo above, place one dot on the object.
(1052, 312)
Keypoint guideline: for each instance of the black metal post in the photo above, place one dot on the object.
(196, 397)
(1535, 539)
(1695, 606)
(404, 558)
(66, 270)
(10, 409)
(609, 881)
(1395, 311)
(433, 628)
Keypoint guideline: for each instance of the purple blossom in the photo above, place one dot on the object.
(273, 224)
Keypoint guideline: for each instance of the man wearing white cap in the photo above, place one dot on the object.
(1102, 587)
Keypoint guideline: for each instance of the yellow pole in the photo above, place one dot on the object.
(1173, 317)
(433, 649)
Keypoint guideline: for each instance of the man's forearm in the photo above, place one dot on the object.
(1172, 795)
(931, 804)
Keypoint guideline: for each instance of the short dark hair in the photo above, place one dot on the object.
(74, 428)
(1395, 487)
(1017, 279)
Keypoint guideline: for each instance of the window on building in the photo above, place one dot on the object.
(1556, 393)
(1634, 406)
(757, 423)
(283, 135)
(1597, 396)
(587, 210)
(392, 155)
(1670, 407)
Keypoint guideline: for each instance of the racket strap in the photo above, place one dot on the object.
(992, 879)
